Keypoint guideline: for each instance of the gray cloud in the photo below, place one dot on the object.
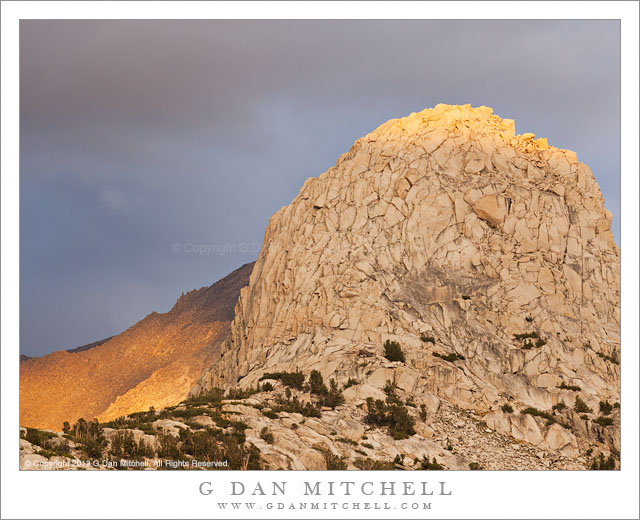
(136, 135)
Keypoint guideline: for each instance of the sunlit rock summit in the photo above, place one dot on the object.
(447, 226)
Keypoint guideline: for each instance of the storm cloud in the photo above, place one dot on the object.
(153, 152)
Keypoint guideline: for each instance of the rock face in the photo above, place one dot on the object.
(154, 363)
(446, 226)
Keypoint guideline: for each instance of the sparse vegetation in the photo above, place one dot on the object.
(292, 379)
(351, 382)
(392, 414)
(537, 413)
(564, 386)
(393, 351)
(507, 408)
(559, 407)
(604, 421)
(370, 464)
(474, 466)
(600, 463)
(581, 407)
(611, 359)
(529, 319)
(423, 412)
(266, 435)
(449, 357)
(466, 297)
(605, 407)
(333, 461)
(433, 465)
(428, 339)
(526, 335)
(331, 396)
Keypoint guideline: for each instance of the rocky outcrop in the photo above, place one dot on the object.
(488, 256)
(154, 363)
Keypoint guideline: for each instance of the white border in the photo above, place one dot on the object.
(174, 494)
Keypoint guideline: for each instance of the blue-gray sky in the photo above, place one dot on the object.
(141, 137)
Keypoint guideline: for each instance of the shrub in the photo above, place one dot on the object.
(559, 407)
(433, 465)
(316, 384)
(604, 421)
(369, 464)
(580, 406)
(600, 463)
(393, 351)
(466, 297)
(529, 319)
(526, 335)
(347, 441)
(428, 339)
(270, 414)
(474, 466)
(333, 461)
(507, 408)
(392, 415)
(367, 445)
(266, 435)
(564, 386)
(616, 405)
(267, 387)
(292, 379)
(423, 412)
(351, 382)
(448, 357)
(584, 417)
(605, 407)
(537, 413)
(611, 359)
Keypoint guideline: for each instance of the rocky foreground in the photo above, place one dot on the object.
(255, 432)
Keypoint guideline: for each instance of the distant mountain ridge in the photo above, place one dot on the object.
(153, 363)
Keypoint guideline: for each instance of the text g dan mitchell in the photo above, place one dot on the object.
(328, 488)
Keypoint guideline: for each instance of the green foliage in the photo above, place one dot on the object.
(584, 417)
(537, 413)
(369, 464)
(351, 382)
(564, 386)
(605, 407)
(66, 428)
(331, 396)
(367, 445)
(266, 435)
(347, 441)
(392, 415)
(124, 445)
(38, 437)
(316, 384)
(581, 407)
(507, 408)
(428, 339)
(529, 319)
(393, 351)
(270, 414)
(600, 463)
(292, 379)
(616, 405)
(526, 335)
(474, 466)
(433, 465)
(449, 357)
(267, 387)
(294, 405)
(212, 397)
(238, 393)
(611, 359)
(604, 421)
(333, 461)
(559, 407)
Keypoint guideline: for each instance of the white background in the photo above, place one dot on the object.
(175, 494)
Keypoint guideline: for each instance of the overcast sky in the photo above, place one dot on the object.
(140, 139)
